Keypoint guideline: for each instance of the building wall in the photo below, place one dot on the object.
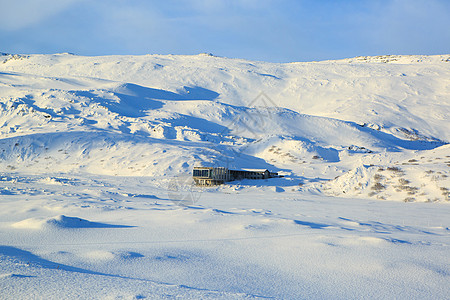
(214, 176)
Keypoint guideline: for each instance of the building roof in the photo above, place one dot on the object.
(242, 170)
(255, 170)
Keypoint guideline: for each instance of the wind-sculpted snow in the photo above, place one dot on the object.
(63, 222)
(127, 235)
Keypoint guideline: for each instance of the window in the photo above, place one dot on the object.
(201, 173)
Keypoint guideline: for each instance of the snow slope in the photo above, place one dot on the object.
(96, 155)
(388, 92)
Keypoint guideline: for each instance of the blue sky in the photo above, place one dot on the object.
(269, 30)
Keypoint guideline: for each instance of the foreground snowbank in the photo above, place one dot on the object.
(122, 237)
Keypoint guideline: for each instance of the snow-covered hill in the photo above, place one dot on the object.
(96, 156)
(160, 115)
(389, 92)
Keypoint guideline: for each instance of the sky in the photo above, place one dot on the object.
(267, 30)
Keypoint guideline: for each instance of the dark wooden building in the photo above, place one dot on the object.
(219, 175)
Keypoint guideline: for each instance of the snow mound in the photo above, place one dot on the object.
(422, 178)
(62, 222)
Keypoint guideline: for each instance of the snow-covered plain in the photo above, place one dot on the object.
(96, 199)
